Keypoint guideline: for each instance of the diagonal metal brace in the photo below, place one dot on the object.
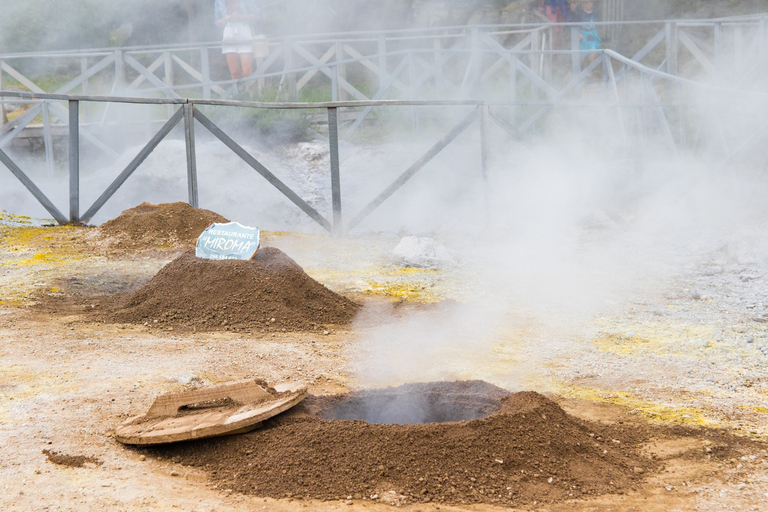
(24, 179)
(258, 167)
(131, 167)
(413, 169)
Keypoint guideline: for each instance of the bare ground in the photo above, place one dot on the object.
(66, 382)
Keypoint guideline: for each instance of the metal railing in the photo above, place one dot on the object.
(643, 95)
(481, 113)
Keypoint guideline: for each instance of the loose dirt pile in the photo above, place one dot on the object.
(528, 451)
(150, 226)
(268, 293)
(73, 461)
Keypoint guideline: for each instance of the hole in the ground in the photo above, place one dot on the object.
(434, 402)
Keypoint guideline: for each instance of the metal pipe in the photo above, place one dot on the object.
(189, 140)
(333, 140)
(74, 161)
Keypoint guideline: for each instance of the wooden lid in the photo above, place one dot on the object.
(223, 409)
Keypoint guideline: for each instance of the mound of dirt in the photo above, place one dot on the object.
(73, 461)
(529, 451)
(270, 292)
(155, 225)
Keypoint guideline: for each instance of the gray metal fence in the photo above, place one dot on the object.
(645, 92)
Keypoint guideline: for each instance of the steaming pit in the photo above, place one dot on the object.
(434, 402)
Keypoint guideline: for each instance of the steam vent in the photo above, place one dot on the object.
(492, 255)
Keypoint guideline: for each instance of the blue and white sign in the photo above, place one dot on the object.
(231, 241)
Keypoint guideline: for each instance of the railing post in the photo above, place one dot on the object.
(86, 85)
(483, 119)
(47, 139)
(205, 71)
(3, 115)
(341, 70)
(513, 91)
(718, 43)
(477, 63)
(168, 72)
(288, 77)
(382, 62)
(189, 141)
(74, 161)
(575, 58)
(672, 47)
(119, 70)
(335, 83)
(762, 41)
(738, 47)
(333, 139)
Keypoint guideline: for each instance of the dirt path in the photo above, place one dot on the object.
(66, 382)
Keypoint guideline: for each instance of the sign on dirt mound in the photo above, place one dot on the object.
(231, 241)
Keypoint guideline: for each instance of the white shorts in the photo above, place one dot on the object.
(238, 38)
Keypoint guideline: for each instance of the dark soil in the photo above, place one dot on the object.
(528, 450)
(268, 293)
(149, 226)
(73, 461)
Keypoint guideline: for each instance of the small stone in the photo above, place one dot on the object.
(350, 502)
(550, 480)
(326, 333)
(142, 458)
(638, 470)
(174, 473)
(751, 339)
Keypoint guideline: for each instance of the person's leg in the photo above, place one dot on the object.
(233, 61)
(246, 64)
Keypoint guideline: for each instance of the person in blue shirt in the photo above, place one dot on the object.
(237, 18)
(588, 37)
(557, 11)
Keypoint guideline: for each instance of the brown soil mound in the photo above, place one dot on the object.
(152, 225)
(529, 451)
(270, 292)
(73, 461)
